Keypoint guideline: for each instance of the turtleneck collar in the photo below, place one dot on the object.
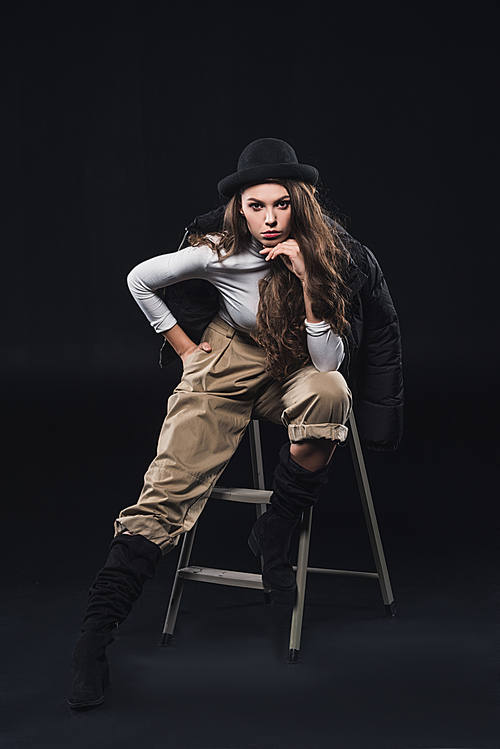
(254, 246)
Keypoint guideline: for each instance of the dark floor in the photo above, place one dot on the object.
(427, 678)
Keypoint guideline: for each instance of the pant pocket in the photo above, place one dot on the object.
(202, 366)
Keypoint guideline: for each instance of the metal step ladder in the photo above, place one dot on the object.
(260, 497)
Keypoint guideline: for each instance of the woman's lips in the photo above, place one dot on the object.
(270, 233)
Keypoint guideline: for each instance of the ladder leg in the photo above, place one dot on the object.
(268, 593)
(175, 596)
(370, 517)
(258, 477)
(256, 455)
(300, 595)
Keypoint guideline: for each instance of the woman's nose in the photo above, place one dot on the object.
(270, 219)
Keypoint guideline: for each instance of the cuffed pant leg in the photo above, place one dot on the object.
(195, 445)
(311, 404)
(206, 419)
(193, 450)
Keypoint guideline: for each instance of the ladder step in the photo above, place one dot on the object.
(235, 494)
(328, 571)
(222, 577)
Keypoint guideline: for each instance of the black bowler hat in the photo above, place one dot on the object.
(267, 158)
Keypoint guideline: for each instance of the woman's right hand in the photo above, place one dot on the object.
(182, 344)
(204, 346)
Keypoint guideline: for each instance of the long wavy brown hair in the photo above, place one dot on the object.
(280, 328)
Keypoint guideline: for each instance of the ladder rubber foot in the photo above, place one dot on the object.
(390, 609)
(293, 656)
(166, 640)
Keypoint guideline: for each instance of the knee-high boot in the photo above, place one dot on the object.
(294, 490)
(131, 561)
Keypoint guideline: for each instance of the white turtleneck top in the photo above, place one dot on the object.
(237, 280)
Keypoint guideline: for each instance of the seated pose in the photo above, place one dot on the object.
(295, 298)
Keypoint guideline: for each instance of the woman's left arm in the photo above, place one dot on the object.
(325, 346)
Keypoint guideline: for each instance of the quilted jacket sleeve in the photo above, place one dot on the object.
(379, 382)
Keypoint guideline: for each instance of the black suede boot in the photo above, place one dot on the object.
(90, 670)
(294, 490)
(131, 561)
(270, 537)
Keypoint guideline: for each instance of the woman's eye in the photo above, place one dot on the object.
(283, 204)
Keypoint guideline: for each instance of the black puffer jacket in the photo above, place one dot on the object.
(372, 364)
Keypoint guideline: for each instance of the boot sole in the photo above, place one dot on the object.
(79, 705)
(255, 547)
(92, 703)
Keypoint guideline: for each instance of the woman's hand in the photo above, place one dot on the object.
(204, 346)
(182, 344)
(290, 253)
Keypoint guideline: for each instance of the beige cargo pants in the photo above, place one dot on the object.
(207, 415)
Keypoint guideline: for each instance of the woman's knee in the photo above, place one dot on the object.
(331, 384)
(329, 387)
(324, 398)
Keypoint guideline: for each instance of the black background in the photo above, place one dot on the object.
(118, 123)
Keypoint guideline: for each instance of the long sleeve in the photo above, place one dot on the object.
(147, 277)
(325, 347)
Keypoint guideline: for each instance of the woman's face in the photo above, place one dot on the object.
(267, 210)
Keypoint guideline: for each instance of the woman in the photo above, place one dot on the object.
(284, 279)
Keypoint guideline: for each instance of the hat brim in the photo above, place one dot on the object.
(303, 172)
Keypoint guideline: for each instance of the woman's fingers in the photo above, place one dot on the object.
(289, 247)
(290, 254)
(273, 252)
(205, 346)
